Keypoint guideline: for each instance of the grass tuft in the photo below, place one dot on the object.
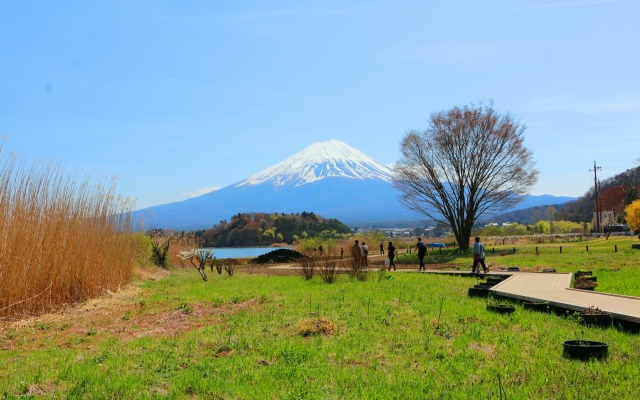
(315, 326)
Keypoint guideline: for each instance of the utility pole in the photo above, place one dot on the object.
(596, 228)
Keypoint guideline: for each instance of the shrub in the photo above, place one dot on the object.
(357, 270)
(230, 265)
(584, 283)
(308, 267)
(327, 270)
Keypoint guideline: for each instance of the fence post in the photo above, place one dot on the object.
(560, 249)
(537, 250)
(616, 246)
(587, 249)
(514, 250)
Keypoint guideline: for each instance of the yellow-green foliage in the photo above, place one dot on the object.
(632, 215)
(143, 243)
(64, 239)
(544, 227)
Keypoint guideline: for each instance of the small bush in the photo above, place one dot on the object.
(230, 265)
(357, 271)
(584, 283)
(308, 267)
(327, 270)
(592, 310)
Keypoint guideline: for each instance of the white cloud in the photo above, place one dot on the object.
(200, 192)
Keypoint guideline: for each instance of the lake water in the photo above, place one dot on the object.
(242, 252)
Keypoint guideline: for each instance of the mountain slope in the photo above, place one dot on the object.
(319, 161)
(331, 179)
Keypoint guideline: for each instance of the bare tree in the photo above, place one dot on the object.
(470, 161)
(160, 247)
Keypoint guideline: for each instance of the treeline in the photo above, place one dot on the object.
(544, 227)
(529, 216)
(615, 194)
(263, 229)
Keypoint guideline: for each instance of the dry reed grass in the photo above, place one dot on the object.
(63, 239)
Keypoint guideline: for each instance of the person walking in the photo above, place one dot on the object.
(365, 253)
(478, 257)
(421, 248)
(356, 252)
(391, 253)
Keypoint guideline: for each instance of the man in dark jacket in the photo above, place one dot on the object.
(421, 248)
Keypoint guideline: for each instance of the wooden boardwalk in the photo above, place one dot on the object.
(554, 288)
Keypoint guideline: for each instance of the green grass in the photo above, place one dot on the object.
(397, 336)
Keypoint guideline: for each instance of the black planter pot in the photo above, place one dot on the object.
(549, 270)
(478, 292)
(578, 274)
(513, 269)
(537, 306)
(590, 278)
(585, 350)
(484, 285)
(501, 308)
(601, 320)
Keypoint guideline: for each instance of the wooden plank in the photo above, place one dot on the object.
(554, 288)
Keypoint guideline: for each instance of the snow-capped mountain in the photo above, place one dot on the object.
(319, 161)
(331, 179)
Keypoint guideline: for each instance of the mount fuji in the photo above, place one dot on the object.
(331, 179)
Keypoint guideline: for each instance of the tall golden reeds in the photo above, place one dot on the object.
(62, 239)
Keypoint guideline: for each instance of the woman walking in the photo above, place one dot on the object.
(391, 253)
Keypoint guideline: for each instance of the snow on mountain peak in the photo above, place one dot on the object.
(321, 160)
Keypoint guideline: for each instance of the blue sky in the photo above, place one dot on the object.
(177, 97)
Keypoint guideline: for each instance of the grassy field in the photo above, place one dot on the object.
(395, 336)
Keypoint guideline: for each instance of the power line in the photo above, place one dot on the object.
(595, 169)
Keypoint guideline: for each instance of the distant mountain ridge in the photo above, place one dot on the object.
(331, 179)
